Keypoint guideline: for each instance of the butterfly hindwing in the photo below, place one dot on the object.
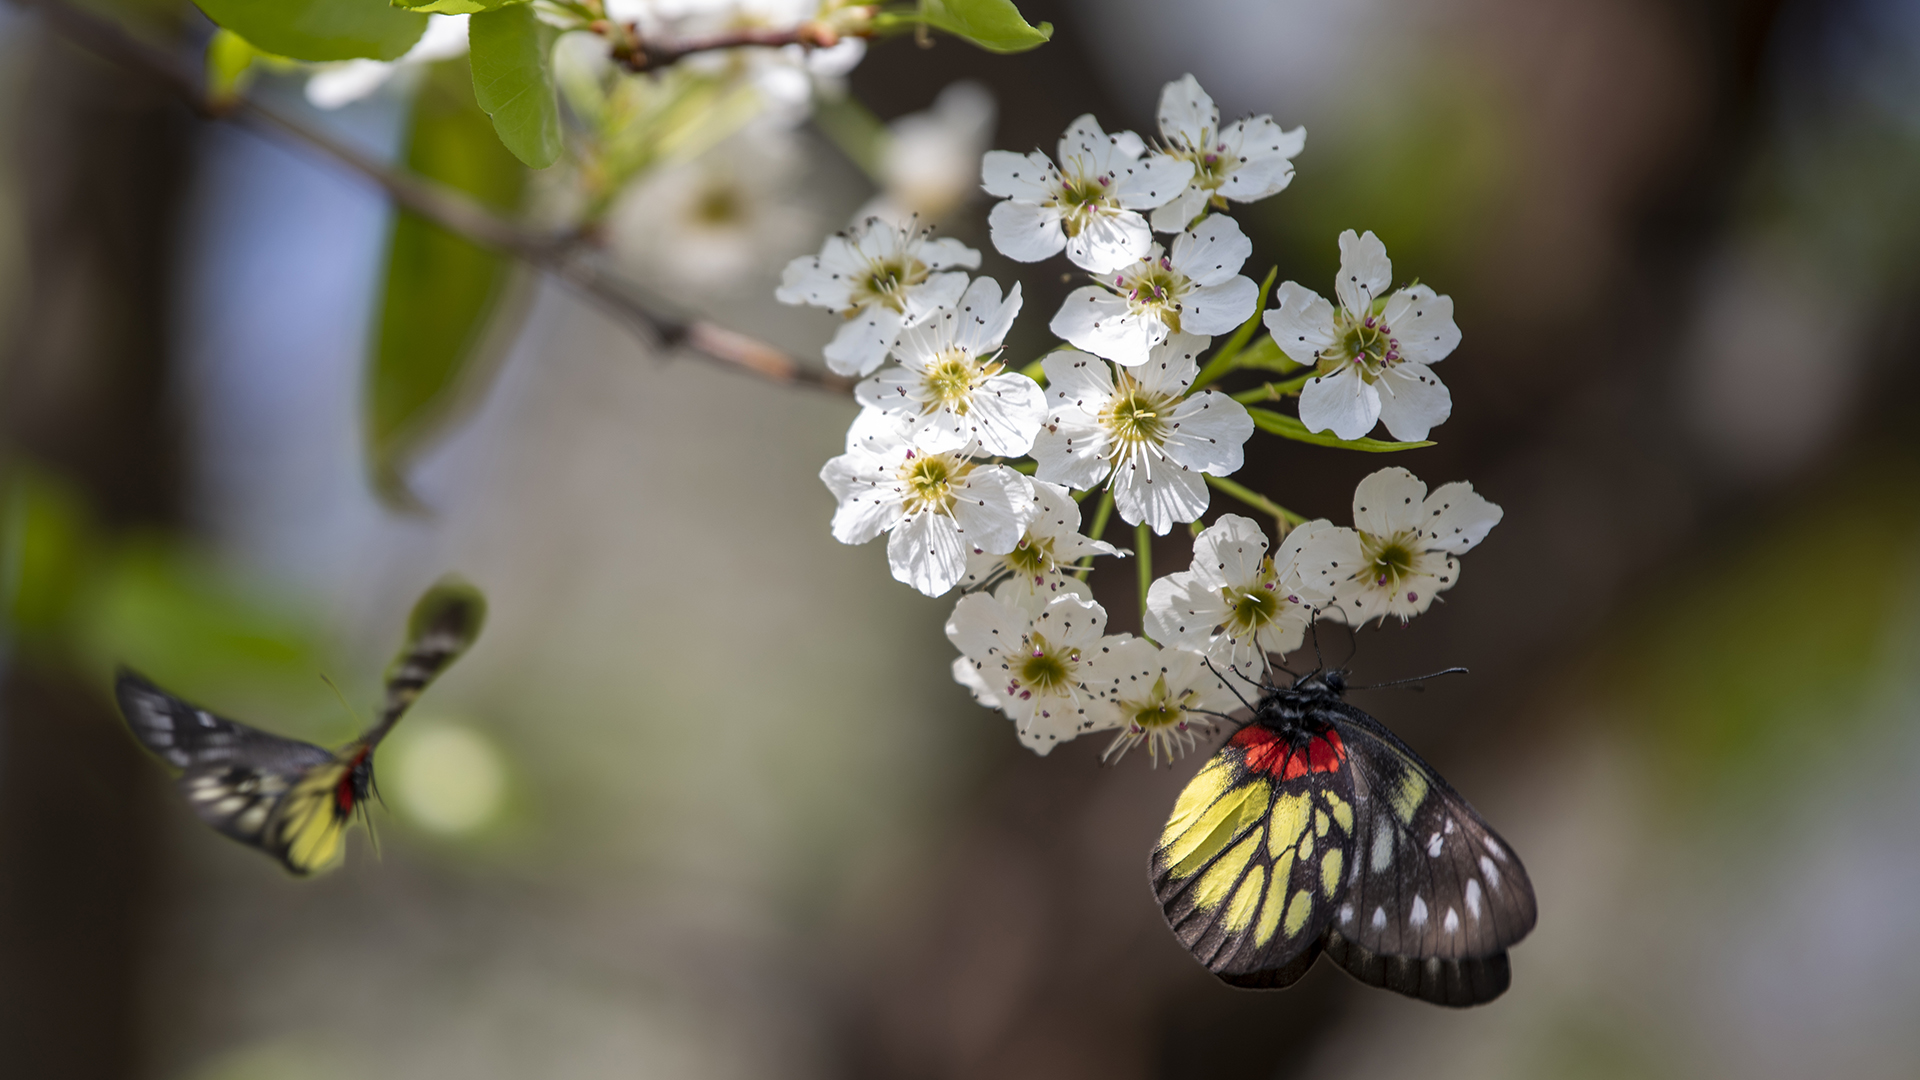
(1316, 829)
(1250, 863)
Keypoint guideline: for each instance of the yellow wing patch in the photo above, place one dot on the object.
(1189, 848)
(306, 830)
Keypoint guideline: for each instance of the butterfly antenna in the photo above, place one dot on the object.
(1418, 680)
(1208, 660)
(344, 703)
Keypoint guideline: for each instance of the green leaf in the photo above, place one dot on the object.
(439, 287)
(1265, 355)
(513, 81)
(455, 7)
(1286, 517)
(994, 25)
(1223, 360)
(320, 29)
(1288, 427)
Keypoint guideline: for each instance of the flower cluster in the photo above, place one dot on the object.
(977, 466)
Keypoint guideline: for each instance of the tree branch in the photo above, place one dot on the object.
(556, 254)
(638, 54)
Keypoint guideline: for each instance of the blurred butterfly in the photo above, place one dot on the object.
(1315, 829)
(288, 798)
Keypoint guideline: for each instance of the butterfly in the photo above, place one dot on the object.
(288, 798)
(1315, 829)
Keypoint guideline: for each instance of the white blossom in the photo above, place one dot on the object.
(1052, 543)
(1373, 355)
(1195, 289)
(1163, 698)
(1401, 552)
(335, 85)
(1234, 603)
(694, 226)
(928, 161)
(1088, 205)
(1139, 426)
(786, 79)
(1245, 161)
(950, 384)
(882, 278)
(938, 507)
(1040, 663)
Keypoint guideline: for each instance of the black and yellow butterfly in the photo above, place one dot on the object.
(1315, 829)
(288, 798)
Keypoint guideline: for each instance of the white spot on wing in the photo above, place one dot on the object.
(1379, 918)
(1473, 897)
(205, 719)
(255, 817)
(1494, 846)
(1346, 913)
(1433, 845)
(1452, 922)
(1382, 849)
(229, 805)
(1492, 872)
(1418, 918)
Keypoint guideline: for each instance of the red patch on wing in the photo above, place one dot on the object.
(1266, 752)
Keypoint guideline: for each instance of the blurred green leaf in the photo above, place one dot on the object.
(994, 25)
(45, 547)
(320, 29)
(1288, 427)
(455, 7)
(853, 128)
(512, 58)
(439, 287)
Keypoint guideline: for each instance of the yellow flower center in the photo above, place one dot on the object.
(929, 481)
(1136, 417)
(888, 280)
(1389, 559)
(1043, 669)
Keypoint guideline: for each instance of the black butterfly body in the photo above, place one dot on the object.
(289, 798)
(1315, 829)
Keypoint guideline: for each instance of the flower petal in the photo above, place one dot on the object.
(1152, 181)
(1341, 402)
(1365, 271)
(1303, 323)
(1095, 319)
(1413, 401)
(1456, 519)
(1159, 492)
(1230, 553)
(1208, 433)
(926, 552)
(1266, 153)
(1182, 611)
(1389, 501)
(1176, 215)
(1211, 252)
(862, 342)
(869, 501)
(1109, 241)
(1028, 177)
(1219, 309)
(1025, 232)
(984, 318)
(1188, 116)
(1422, 323)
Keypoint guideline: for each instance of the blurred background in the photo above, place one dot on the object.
(704, 800)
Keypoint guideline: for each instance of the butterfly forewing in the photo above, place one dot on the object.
(1248, 868)
(1315, 829)
(243, 782)
(1431, 879)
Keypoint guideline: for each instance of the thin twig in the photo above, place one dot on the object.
(556, 254)
(637, 53)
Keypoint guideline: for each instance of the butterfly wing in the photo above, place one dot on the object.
(1434, 896)
(1250, 865)
(244, 782)
(444, 624)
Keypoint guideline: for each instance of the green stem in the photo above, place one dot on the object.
(1287, 518)
(1143, 542)
(1273, 391)
(1101, 514)
(1222, 361)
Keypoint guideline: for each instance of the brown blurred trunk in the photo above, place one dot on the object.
(101, 156)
